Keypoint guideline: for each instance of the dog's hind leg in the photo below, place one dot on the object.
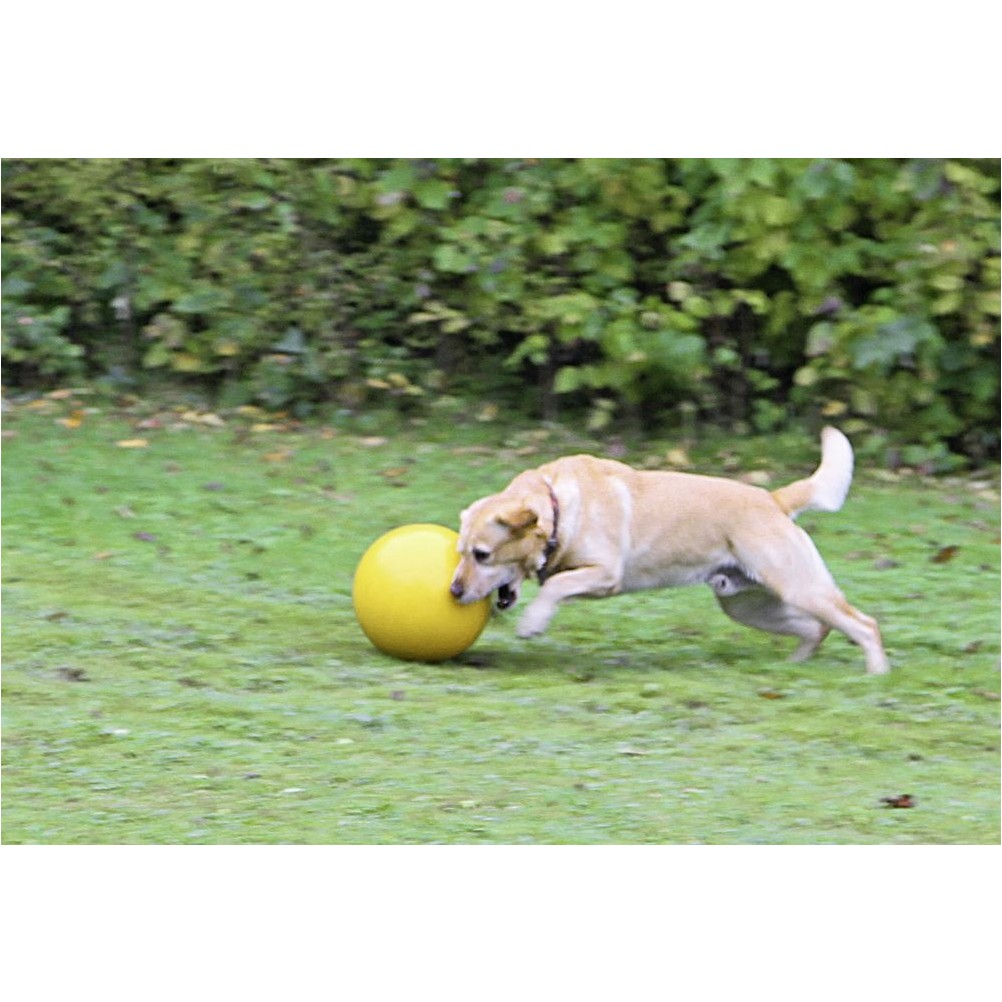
(833, 610)
(810, 643)
(758, 607)
(790, 567)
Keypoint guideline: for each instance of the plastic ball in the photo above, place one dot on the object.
(402, 600)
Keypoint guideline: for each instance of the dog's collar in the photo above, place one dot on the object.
(551, 543)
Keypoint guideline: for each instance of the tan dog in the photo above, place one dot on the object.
(595, 527)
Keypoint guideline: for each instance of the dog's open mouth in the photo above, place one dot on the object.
(507, 596)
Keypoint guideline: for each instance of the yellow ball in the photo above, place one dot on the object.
(401, 595)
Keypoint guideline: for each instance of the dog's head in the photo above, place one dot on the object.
(502, 541)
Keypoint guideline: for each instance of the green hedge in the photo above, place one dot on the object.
(741, 291)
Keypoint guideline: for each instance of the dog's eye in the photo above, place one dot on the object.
(480, 556)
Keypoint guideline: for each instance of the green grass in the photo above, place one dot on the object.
(181, 662)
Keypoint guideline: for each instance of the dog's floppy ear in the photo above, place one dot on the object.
(519, 517)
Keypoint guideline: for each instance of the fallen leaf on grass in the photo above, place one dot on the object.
(212, 420)
(132, 443)
(104, 555)
(901, 800)
(278, 456)
(73, 421)
(771, 694)
(945, 555)
(72, 674)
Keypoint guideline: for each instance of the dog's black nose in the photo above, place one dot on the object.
(456, 589)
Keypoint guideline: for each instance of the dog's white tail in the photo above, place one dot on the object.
(826, 488)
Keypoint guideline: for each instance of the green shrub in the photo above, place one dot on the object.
(743, 291)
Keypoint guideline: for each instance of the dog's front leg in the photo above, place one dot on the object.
(594, 581)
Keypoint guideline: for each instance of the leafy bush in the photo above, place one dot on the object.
(743, 291)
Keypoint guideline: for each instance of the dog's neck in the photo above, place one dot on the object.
(551, 544)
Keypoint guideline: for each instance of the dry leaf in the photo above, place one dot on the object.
(72, 674)
(945, 555)
(132, 443)
(73, 421)
(901, 800)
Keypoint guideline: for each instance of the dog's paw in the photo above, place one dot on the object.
(526, 630)
(533, 622)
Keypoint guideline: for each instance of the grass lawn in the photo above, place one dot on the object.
(181, 663)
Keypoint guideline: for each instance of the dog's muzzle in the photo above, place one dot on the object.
(507, 597)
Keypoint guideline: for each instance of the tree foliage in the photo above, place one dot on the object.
(863, 291)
